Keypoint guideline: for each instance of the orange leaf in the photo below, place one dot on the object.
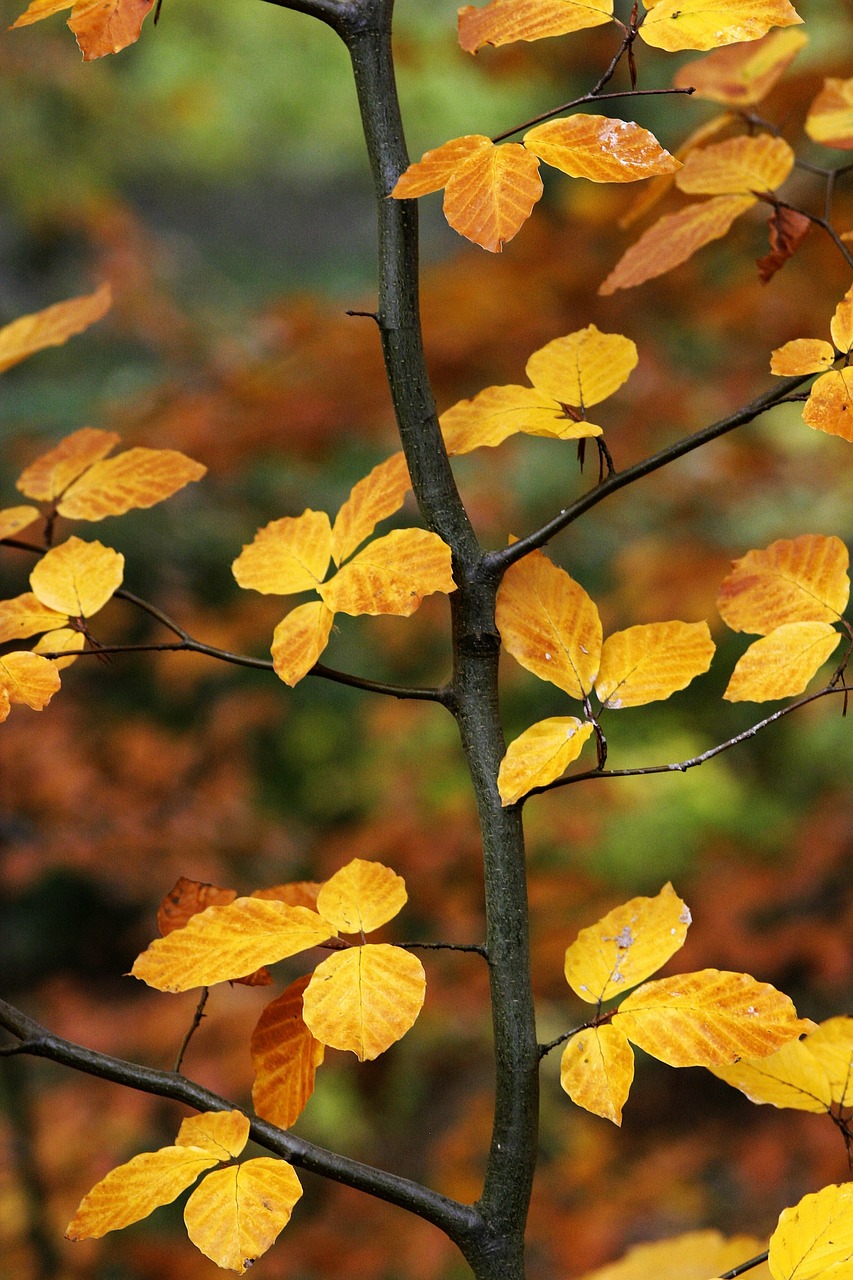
(64, 640)
(802, 355)
(841, 326)
(299, 640)
(503, 21)
(649, 663)
(656, 188)
(549, 624)
(741, 75)
(299, 893)
(286, 556)
(107, 26)
(133, 1190)
(391, 575)
(285, 1058)
(539, 755)
(496, 413)
(830, 117)
(597, 1069)
(134, 479)
(781, 664)
(737, 166)
(708, 24)
(53, 326)
(362, 896)
(364, 999)
(582, 368)
(186, 899)
(600, 149)
(77, 578)
(829, 408)
(5, 704)
(28, 678)
(14, 519)
(435, 168)
(490, 196)
(673, 239)
(52, 473)
(26, 616)
(799, 580)
(236, 1214)
(374, 498)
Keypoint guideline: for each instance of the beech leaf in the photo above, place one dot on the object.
(815, 1238)
(737, 166)
(299, 640)
(503, 21)
(135, 479)
(391, 575)
(708, 24)
(496, 413)
(64, 640)
(793, 580)
(597, 1069)
(582, 368)
(830, 117)
(490, 196)
(101, 26)
(649, 663)
(285, 1058)
(286, 556)
(781, 664)
(365, 998)
(236, 1214)
(52, 473)
(223, 1133)
(362, 896)
(539, 755)
(600, 149)
(832, 1045)
(53, 326)
(436, 167)
(792, 1077)
(133, 1190)
(77, 578)
(374, 498)
(14, 519)
(25, 615)
(829, 407)
(802, 355)
(694, 1256)
(28, 678)
(741, 75)
(841, 326)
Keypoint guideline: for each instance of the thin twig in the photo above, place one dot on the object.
(475, 947)
(743, 1267)
(592, 96)
(193, 1027)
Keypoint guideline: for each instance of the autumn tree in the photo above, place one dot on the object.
(362, 995)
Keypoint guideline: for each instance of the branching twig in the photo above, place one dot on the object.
(193, 1027)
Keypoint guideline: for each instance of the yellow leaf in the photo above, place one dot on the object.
(39, 9)
(28, 678)
(694, 1256)
(841, 326)
(815, 1238)
(26, 616)
(549, 624)
(626, 946)
(600, 149)
(597, 1069)
(832, 1045)
(299, 640)
(5, 704)
(781, 665)
(503, 21)
(791, 1077)
(77, 578)
(707, 24)
(14, 519)
(673, 239)
(741, 75)
(656, 189)
(802, 355)
(435, 168)
(53, 326)
(829, 408)
(222, 1133)
(362, 896)
(134, 479)
(709, 1018)
(52, 473)
(830, 117)
(794, 580)
(365, 998)
(496, 413)
(286, 556)
(490, 196)
(65, 640)
(374, 498)
(583, 368)
(133, 1190)
(226, 942)
(736, 167)
(236, 1214)
(391, 575)
(539, 755)
(285, 1058)
(649, 663)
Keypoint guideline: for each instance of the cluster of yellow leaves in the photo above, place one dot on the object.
(829, 407)
(552, 627)
(100, 26)
(789, 594)
(706, 1019)
(232, 1217)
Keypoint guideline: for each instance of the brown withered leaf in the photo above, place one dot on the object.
(787, 229)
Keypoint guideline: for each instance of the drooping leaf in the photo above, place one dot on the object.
(694, 1256)
(649, 663)
(236, 1214)
(597, 1069)
(133, 1190)
(299, 640)
(28, 678)
(540, 754)
(794, 580)
(815, 1238)
(14, 519)
(832, 1045)
(52, 473)
(781, 664)
(741, 75)
(54, 325)
(435, 168)
(829, 407)
(186, 899)
(365, 998)
(223, 1133)
(77, 578)
(626, 946)
(391, 575)
(841, 325)
(374, 498)
(286, 556)
(600, 149)
(285, 1058)
(101, 26)
(787, 229)
(496, 413)
(489, 197)
(791, 1077)
(135, 479)
(830, 117)
(503, 21)
(582, 368)
(708, 24)
(64, 640)
(362, 896)
(25, 615)
(801, 355)
(737, 166)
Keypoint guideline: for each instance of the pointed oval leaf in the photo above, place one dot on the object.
(496, 413)
(708, 1018)
(14, 519)
(649, 663)
(597, 1070)
(186, 899)
(792, 1077)
(135, 479)
(549, 624)
(794, 580)
(694, 1256)
(285, 1058)
(600, 149)
(829, 408)
(503, 21)
(741, 75)
(223, 1133)
(133, 1190)
(77, 578)
(65, 640)
(39, 9)
(362, 896)
(286, 556)
(26, 616)
(236, 1214)
(782, 664)
(830, 117)
(54, 325)
(815, 1238)
(107, 26)
(539, 755)
(391, 575)
(802, 355)
(708, 24)
(28, 678)
(582, 368)
(673, 239)
(832, 1045)
(626, 946)
(490, 196)
(364, 999)
(435, 168)
(841, 326)
(224, 943)
(736, 166)
(657, 188)
(52, 473)
(374, 498)
(299, 640)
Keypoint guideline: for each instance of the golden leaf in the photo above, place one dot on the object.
(708, 24)
(815, 1238)
(794, 580)
(801, 355)
(673, 239)
(134, 479)
(791, 1077)
(832, 1045)
(365, 998)
(583, 368)
(374, 498)
(77, 578)
(736, 167)
(626, 946)
(600, 148)
(708, 1018)
(5, 704)
(781, 664)
(52, 473)
(490, 196)
(223, 1133)
(597, 1069)
(549, 624)
(741, 75)
(841, 326)
(133, 1190)
(26, 616)
(226, 942)
(14, 519)
(830, 117)
(236, 1214)
(286, 556)
(656, 189)
(54, 325)
(435, 168)
(28, 678)
(299, 639)
(649, 663)
(391, 575)
(64, 640)
(539, 755)
(285, 1058)
(362, 896)
(503, 21)
(694, 1256)
(829, 408)
(496, 413)
(186, 899)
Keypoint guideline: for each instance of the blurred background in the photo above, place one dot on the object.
(214, 174)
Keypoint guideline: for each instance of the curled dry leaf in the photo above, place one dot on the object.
(787, 229)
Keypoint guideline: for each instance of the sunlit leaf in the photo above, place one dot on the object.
(654, 190)
(52, 473)
(14, 519)
(708, 24)
(736, 166)
(791, 1077)
(435, 168)
(781, 664)
(286, 556)
(25, 615)
(54, 325)
(626, 946)
(496, 413)
(540, 754)
(28, 678)
(391, 575)
(599, 148)
(815, 1238)
(285, 1058)
(841, 326)
(794, 580)
(299, 640)
(77, 578)
(374, 498)
(236, 1214)
(802, 355)
(741, 75)
(186, 899)
(503, 21)
(832, 1045)
(597, 1069)
(582, 368)
(829, 407)
(830, 117)
(648, 663)
(101, 26)
(223, 1133)
(490, 196)
(365, 998)
(362, 896)
(134, 479)
(133, 1190)
(64, 640)
(694, 1256)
